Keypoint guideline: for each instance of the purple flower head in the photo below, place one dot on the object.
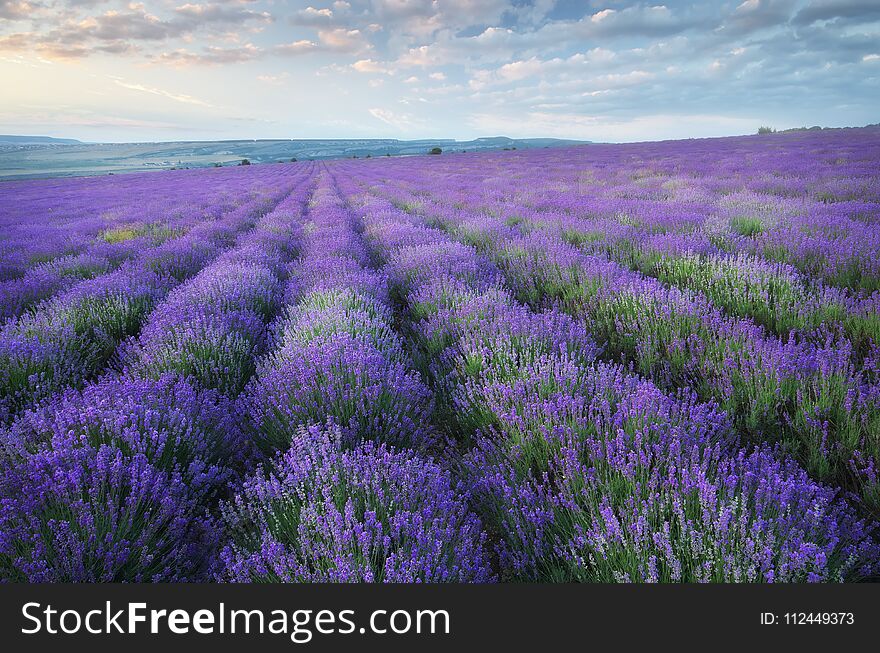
(83, 514)
(323, 514)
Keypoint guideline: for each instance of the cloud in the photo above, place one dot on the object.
(370, 66)
(177, 97)
(313, 17)
(610, 128)
(518, 70)
(197, 15)
(818, 10)
(497, 44)
(754, 15)
(343, 40)
(492, 44)
(98, 122)
(581, 65)
(74, 35)
(18, 9)
(295, 48)
(212, 55)
(401, 122)
(424, 18)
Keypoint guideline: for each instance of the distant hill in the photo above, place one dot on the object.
(36, 156)
(30, 140)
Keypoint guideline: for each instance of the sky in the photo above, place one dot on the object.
(117, 71)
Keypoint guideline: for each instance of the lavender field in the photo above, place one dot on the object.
(652, 362)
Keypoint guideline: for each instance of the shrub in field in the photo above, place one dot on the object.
(747, 226)
(181, 258)
(71, 337)
(489, 337)
(333, 272)
(324, 514)
(96, 514)
(216, 350)
(321, 315)
(210, 329)
(48, 279)
(807, 394)
(595, 476)
(417, 264)
(343, 379)
(175, 427)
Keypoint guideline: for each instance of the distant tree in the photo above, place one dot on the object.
(245, 162)
(387, 153)
(766, 130)
(369, 156)
(293, 160)
(435, 150)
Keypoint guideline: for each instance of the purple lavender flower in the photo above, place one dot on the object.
(84, 514)
(322, 514)
(175, 427)
(594, 476)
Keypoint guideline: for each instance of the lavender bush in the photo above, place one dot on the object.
(322, 514)
(651, 362)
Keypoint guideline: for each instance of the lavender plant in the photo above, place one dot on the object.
(324, 514)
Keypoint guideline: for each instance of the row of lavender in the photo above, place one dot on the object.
(118, 481)
(809, 395)
(227, 447)
(70, 336)
(57, 233)
(348, 493)
(686, 246)
(703, 216)
(814, 388)
(422, 371)
(581, 471)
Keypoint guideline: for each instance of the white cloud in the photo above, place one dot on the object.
(343, 40)
(399, 121)
(370, 66)
(177, 97)
(609, 60)
(312, 16)
(302, 46)
(211, 55)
